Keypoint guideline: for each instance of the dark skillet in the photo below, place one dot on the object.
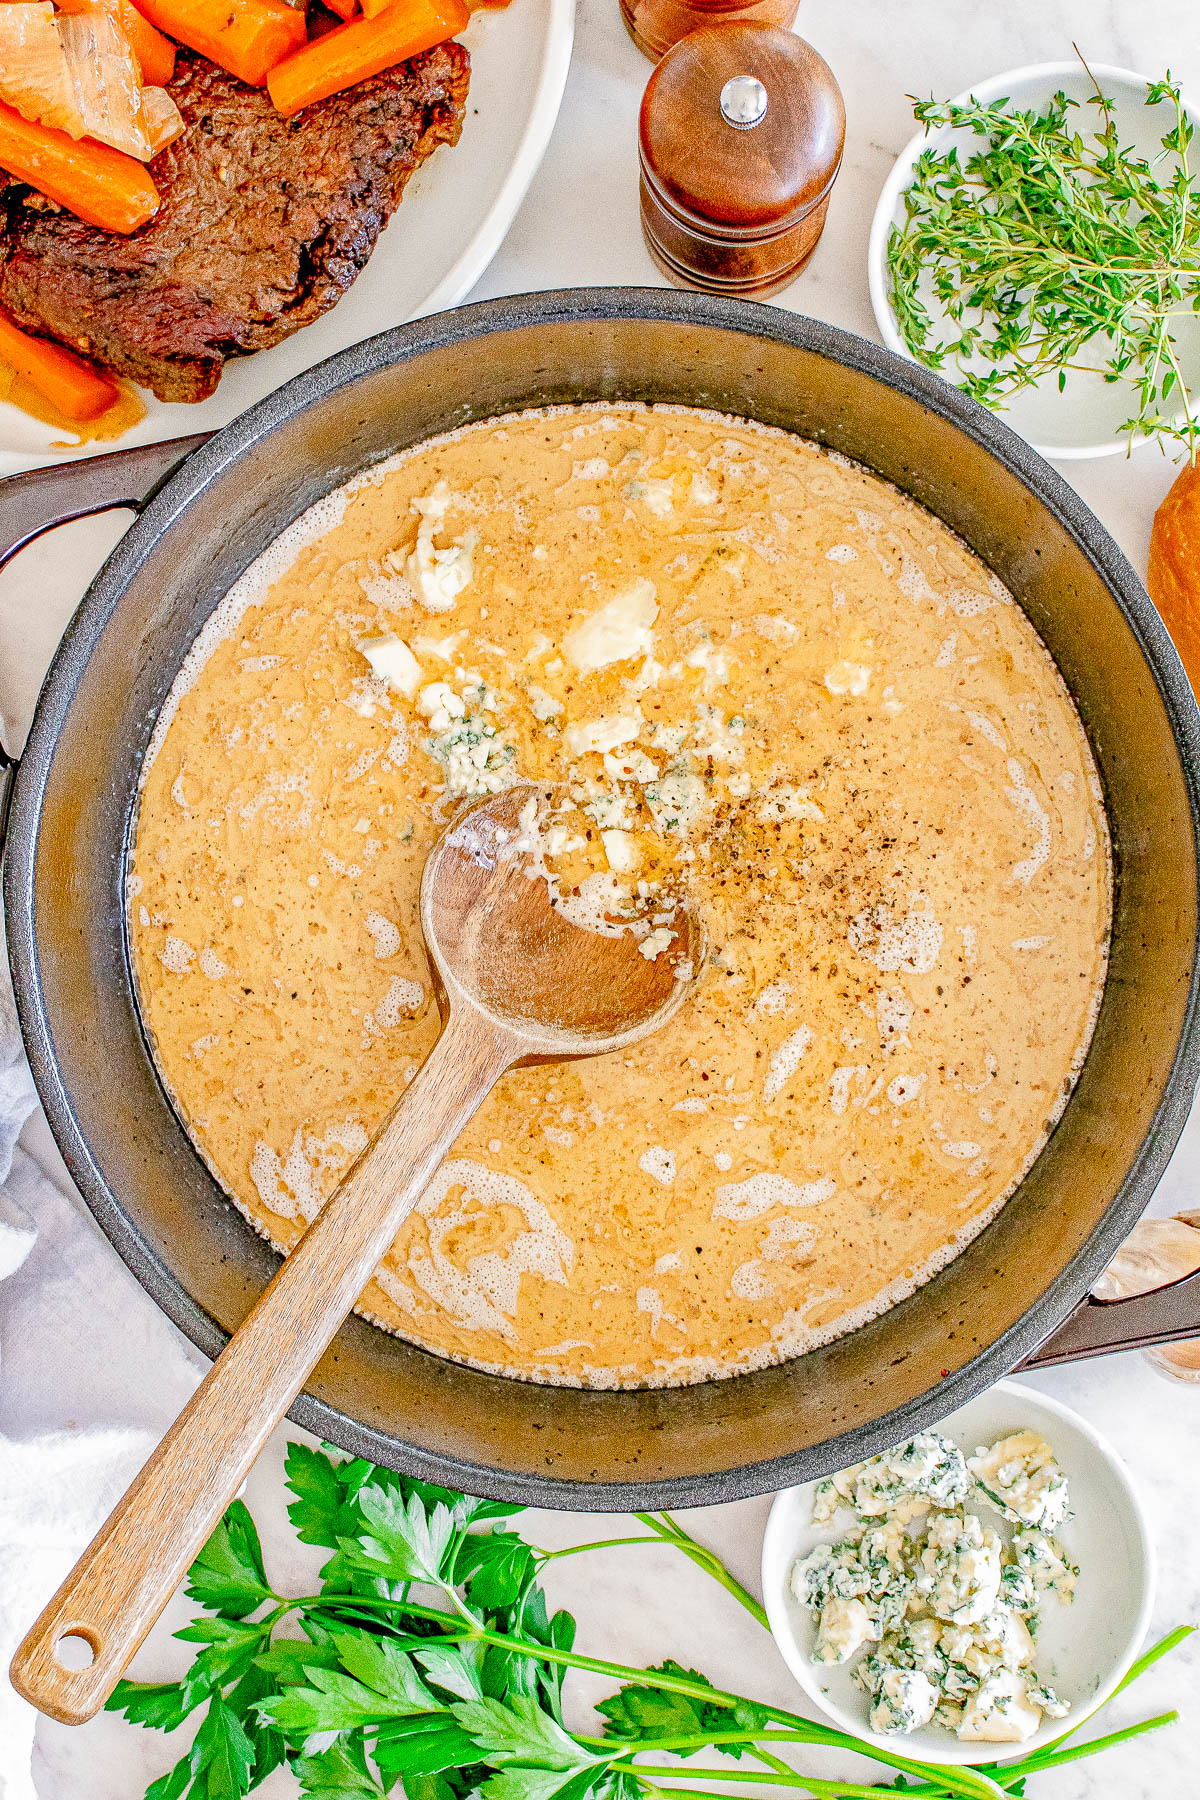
(73, 811)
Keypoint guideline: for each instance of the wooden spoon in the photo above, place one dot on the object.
(519, 984)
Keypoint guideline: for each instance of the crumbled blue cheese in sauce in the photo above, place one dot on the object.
(476, 760)
(439, 576)
(945, 1610)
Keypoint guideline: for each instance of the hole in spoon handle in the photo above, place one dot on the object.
(59, 1668)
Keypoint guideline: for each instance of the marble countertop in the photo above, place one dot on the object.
(579, 225)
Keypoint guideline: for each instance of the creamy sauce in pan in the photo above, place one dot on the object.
(759, 671)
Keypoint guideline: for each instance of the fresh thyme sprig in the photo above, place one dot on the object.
(430, 1663)
(1049, 250)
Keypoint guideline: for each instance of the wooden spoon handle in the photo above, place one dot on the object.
(129, 1571)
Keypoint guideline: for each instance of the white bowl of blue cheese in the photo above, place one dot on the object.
(974, 1591)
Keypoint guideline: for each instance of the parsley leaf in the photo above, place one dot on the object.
(228, 1576)
(268, 1745)
(455, 1667)
(222, 1757)
(437, 1746)
(330, 1700)
(174, 1783)
(496, 1567)
(520, 1732)
(402, 1540)
(319, 1511)
(527, 1784)
(230, 1647)
(159, 1705)
(636, 1712)
(289, 1659)
(340, 1770)
(387, 1670)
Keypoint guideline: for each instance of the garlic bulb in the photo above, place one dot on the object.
(1155, 1252)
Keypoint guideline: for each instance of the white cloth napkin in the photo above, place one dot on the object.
(61, 1291)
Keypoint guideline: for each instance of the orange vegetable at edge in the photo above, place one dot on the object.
(1174, 576)
(366, 47)
(100, 185)
(71, 385)
(247, 37)
(155, 53)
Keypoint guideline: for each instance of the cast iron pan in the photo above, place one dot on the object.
(204, 520)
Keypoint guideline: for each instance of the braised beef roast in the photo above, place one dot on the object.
(264, 223)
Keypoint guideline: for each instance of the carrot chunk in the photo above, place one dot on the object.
(365, 47)
(71, 385)
(247, 37)
(154, 52)
(100, 185)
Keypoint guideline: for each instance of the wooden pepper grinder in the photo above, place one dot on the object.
(740, 139)
(654, 25)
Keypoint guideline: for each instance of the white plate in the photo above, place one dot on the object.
(450, 224)
(1083, 420)
(1084, 1649)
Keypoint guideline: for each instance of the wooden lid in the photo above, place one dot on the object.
(741, 129)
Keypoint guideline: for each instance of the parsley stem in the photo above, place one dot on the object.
(788, 1777)
(809, 1783)
(438, 1615)
(671, 1532)
(826, 1790)
(684, 1742)
(1051, 1759)
(768, 1761)
(548, 1556)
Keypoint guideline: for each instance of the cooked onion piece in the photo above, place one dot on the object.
(35, 77)
(107, 81)
(164, 122)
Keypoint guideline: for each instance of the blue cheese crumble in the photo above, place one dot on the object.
(476, 760)
(1022, 1480)
(929, 1469)
(935, 1608)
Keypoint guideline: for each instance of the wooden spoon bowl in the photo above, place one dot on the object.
(501, 942)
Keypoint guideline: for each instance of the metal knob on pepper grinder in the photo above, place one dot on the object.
(740, 140)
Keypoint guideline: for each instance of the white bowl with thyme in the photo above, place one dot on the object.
(1070, 290)
(980, 1592)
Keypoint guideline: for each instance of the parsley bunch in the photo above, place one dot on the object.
(429, 1664)
(1046, 243)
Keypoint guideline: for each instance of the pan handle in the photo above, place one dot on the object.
(1164, 1315)
(39, 499)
